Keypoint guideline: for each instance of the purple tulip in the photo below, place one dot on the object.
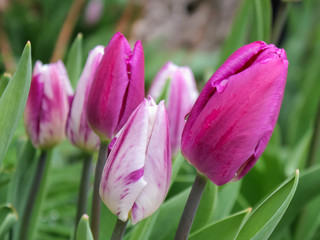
(118, 87)
(137, 174)
(179, 86)
(78, 131)
(47, 106)
(232, 120)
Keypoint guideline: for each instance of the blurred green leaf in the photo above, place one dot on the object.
(207, 207)
(74, 61)
(227, 196)
(169, 216)
(262, 20)
(308, 188)
(239, 30)
(298, 156)
(261, 223)
(13, 100)
(309, 221)
(8, 216)
(4, 80)
(143, 229)
(83, 231)
(225, 229)
(177, 163)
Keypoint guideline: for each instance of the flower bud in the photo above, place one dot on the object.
(232, 120)
(78, 131)
(47, 106)
(177, 86)
(137, 174)
(117, 88)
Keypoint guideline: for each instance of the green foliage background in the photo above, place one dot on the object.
(40, 22)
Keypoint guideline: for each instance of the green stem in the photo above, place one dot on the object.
(36, 195)
(191, 207)
(96, 202)
(119, 230)
(84, 188)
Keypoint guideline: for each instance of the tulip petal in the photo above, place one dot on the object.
(135, 89)
(230, 139)
(103, 110)
(122, 179)
(157, 169)
(77, 129)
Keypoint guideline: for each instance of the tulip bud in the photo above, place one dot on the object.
(137, 174)
(47, 106)
(178, 87)
(117, 88)
(232, 120)
(78, 131)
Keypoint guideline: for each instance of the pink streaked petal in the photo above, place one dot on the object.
(78, 130)
(135, 90)
(54, 107)
(33, 106)
(157, 169)
(182, 95)
(160, 80)
(122, 179)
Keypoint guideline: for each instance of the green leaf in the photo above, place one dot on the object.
(309, 221)
(143, 229)
(261, 223)
(169, 216)
(4, 80)
(308, 188)
(225, 229)
(177, 163)
(8, 216)
(13, 100)
(74, 61)
(83, 231)
(261, 20)
(22, 179)
(298, 156)
(206, 207)
(227, 196)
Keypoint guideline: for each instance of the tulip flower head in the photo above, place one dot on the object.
(232, 120)
(47, 106)
(78, 131)
(118, 87)
(178, 84)
(137, 174)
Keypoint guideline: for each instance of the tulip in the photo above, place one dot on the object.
(232, 120)
(47, 106)
(78, 131)
(137, 174)
(178, 84)
(118, 87)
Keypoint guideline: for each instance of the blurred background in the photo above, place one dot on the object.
(198, 33)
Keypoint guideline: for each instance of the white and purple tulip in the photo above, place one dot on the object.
(137, 174)
(78, 131)
(47, 106)
(178, 87)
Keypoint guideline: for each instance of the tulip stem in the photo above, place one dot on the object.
(119, 230)
(36, 195)
(191, 207)
(96, 202)
(84, 188)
